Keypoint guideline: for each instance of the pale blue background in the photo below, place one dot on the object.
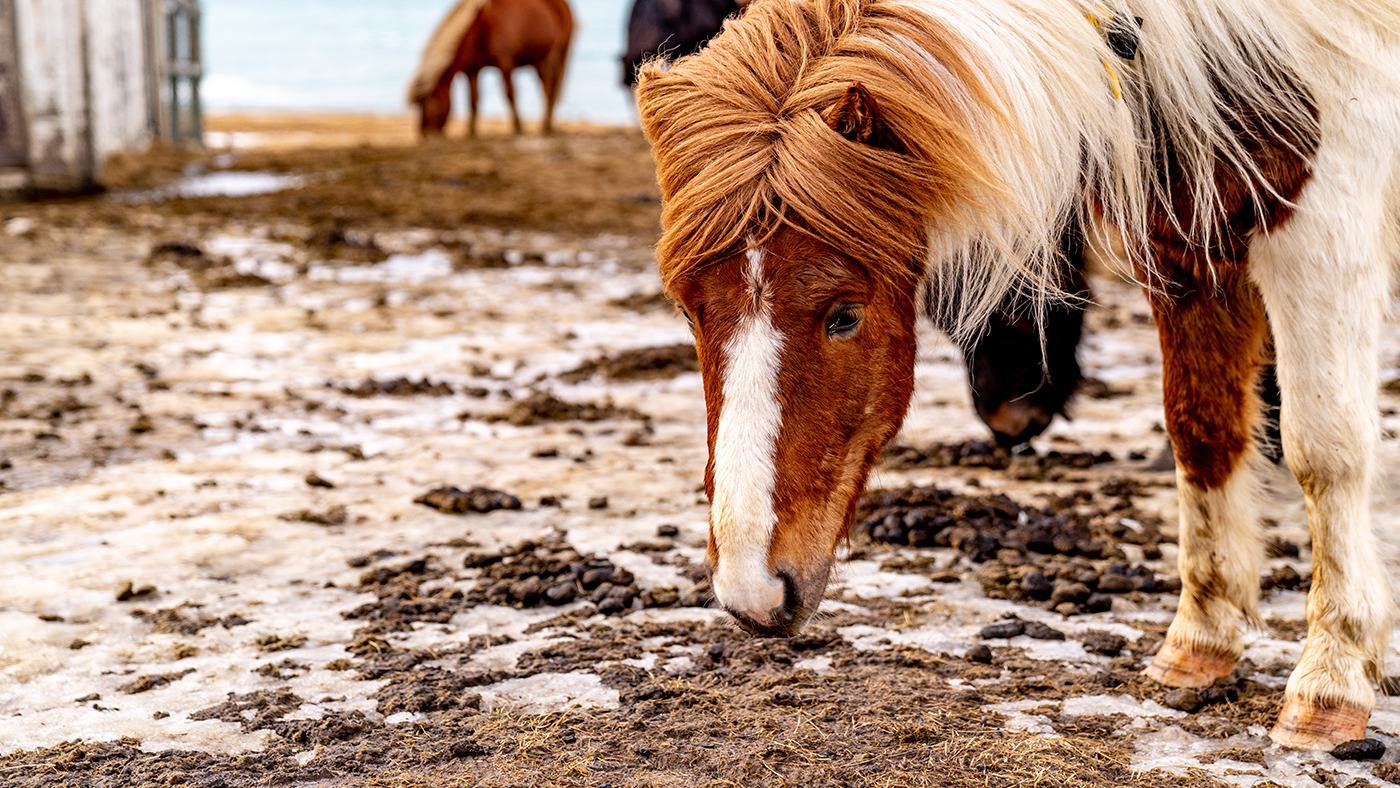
(357, 56)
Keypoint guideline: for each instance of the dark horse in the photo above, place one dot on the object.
(507, 34)
(671, 28)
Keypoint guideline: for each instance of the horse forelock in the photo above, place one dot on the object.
(742, 150)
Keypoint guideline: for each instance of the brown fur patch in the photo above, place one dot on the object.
(1210, 318)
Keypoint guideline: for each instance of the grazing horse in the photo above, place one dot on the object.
(670, 28)
(507, 34)
(821, 160)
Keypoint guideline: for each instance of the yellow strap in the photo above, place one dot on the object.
(1097, 19)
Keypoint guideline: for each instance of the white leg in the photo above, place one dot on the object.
(1325, 280)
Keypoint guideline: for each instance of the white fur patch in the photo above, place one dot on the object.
(741, 513)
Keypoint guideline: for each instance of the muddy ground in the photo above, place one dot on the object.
(391, 476)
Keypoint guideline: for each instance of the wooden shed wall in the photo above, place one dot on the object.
(85, 76)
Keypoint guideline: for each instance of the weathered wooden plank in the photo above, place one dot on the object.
(11, 116)
(50, 45)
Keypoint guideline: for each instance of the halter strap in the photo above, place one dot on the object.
(1121, 36)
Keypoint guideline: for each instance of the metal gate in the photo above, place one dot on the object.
(183, 69)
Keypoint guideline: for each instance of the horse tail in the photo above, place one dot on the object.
(442, 48)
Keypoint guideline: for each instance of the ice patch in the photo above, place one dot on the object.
(1018, 720)
(818, 665)
(217, 184)
(1118, 704)
(405, 268)
(548, 692)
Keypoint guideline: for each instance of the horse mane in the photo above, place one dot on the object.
(742, 149)
(1013, 119)
(441, 49)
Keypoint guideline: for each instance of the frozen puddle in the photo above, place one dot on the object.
(224, 183)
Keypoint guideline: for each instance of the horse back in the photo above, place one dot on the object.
(518, 33)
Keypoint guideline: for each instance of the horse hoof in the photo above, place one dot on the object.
(1310, 726)
(1175, 666)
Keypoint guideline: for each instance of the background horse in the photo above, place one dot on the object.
(507, 34)
(671, 28)
(821, 161)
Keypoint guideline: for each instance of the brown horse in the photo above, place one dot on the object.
(506, 34)
(821, 162)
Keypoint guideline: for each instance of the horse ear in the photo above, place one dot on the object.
(855, 115)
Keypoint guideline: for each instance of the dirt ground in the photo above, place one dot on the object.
(391, 476)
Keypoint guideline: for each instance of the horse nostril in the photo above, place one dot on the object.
(792, 600)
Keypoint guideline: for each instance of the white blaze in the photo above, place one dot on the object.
(745, 451)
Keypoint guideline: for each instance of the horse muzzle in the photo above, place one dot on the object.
(774, 605)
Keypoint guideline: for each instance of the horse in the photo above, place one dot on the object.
(670, 28)
(507, 34)
(821, 161)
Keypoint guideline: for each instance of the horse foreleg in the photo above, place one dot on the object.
(1325, 279)
(1213, 335)
(507, 70)
(551, 73)
(473, 97)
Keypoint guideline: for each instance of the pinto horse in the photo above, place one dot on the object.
(507, 34)
(822, 161)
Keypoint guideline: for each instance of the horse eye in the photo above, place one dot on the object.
(843, 322)
(689, 321)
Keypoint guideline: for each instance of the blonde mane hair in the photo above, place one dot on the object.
(441, 49)
(1013, 119)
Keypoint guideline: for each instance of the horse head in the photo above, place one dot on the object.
(807, 350)
(796, 214)
(808, 366)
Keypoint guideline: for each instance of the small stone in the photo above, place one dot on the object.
(1359, 750)
(1069, 592)
(1002, 630)
(979, 653)
(128, 592)
(611, 606)
(598, 502)
(946, 576)
(561, 593)
(1115, 584)
(1036, 586)
(601, 592)
(1216, 695)
(1098, 603)
(1187, 700)
(1106, 643)
(660, 597)
(667, 531)
(1067, 609)
(1039, 631)
(527, 591)
(477, 499)
(312, 480)
(592, 578)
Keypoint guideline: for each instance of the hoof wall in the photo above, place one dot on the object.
(1309, 726)
(1176, 666)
